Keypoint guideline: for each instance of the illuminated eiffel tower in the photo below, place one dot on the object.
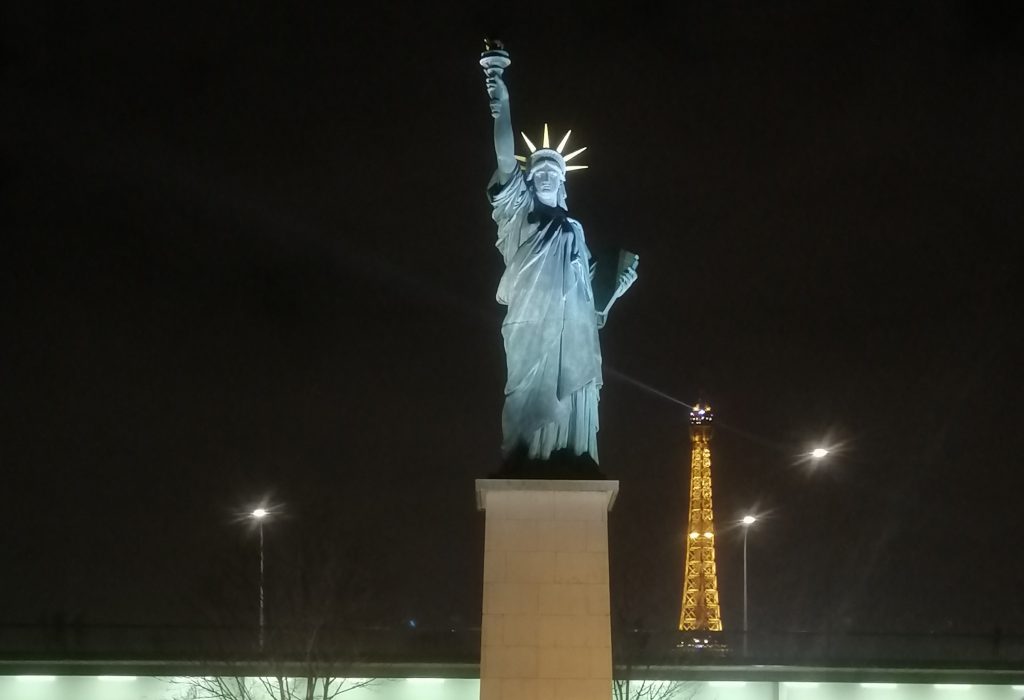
(700, 579)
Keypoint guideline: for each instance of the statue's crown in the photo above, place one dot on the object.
(545, 152)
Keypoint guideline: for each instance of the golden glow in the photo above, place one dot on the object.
(546, 143)
(700, 608)
(574, 153)
(561, 144)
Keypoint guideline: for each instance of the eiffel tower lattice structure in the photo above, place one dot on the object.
(700, 610)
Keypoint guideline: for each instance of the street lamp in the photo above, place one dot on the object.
(258, 515)
(747, 521)
(819, 452)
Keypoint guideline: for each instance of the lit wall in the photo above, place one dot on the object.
(739, 690)
(144, 688)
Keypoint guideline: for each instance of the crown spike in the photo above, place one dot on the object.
(529, 143)
(574, 154)
(576, 167)
(521, 159)
(565, 140)
(547, 142)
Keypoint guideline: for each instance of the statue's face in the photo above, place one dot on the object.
(547, 178)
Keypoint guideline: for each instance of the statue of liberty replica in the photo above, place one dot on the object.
(552, 350)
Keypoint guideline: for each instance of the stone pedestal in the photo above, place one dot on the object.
(546, 630)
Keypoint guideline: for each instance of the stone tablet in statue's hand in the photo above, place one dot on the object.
(626, 279)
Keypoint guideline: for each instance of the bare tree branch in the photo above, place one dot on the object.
(314, 591)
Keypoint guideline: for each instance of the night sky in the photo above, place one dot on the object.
(247, 255)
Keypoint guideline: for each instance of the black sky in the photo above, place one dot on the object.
(247, 252)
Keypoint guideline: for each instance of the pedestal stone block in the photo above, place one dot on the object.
(546, 628)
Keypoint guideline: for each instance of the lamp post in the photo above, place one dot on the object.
(748, 520)
(818, 455)
(258, 515)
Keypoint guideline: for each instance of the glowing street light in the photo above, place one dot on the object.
(819, 452)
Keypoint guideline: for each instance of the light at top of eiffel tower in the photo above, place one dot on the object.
(701, 414)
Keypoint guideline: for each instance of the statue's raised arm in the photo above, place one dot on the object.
(494, 61)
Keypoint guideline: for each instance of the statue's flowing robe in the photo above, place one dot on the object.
(550, 330)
